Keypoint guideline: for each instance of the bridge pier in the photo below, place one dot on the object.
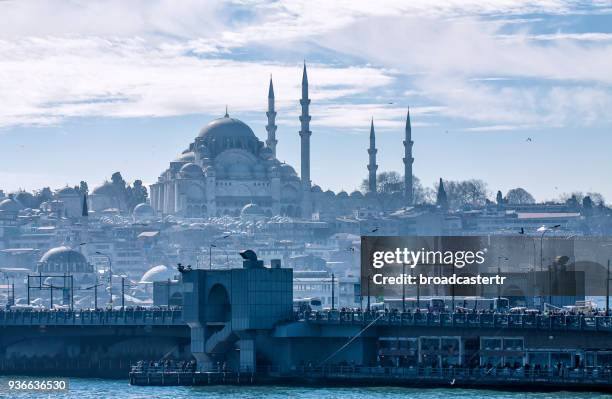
(198, 347)
(247, 354)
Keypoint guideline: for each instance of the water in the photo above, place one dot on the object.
(81, 388)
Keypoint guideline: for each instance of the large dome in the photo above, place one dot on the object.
(226, 133)
(63, 255)
(157, 273)
(64, 260)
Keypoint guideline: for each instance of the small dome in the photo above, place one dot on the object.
(342, 194)
(316, 189)
(157, 273)
(9, 205)
(24, 198)
(105, 188)
(67, 191)
(252, 210)
(287, 171)
(143, 210)
(356, 194)
(191, 170)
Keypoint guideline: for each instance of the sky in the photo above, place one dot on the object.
(514, 93)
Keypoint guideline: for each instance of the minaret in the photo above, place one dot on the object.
(84, 233)
(408, 160)
(305, 132)
(372, 167)
(305, 148)
(271, 127)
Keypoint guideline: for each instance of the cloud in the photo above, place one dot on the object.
(464, 66)
(47, 79)
(166, 58)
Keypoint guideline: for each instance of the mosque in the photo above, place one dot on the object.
(227, 168)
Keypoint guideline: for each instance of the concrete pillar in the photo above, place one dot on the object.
(198, 345)
(247, 354)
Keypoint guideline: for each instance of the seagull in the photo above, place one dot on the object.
(375, 230)
(390, 102)
(522, 231)
(528, 139)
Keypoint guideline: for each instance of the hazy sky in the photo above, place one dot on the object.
(88, 88)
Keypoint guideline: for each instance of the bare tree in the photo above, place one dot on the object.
(465, 193)
(390, 182)
(519, 196)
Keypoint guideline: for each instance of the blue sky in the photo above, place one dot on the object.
(89, 88)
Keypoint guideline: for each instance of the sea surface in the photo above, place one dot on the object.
(86, 388)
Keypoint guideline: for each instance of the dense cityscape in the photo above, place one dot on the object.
(121, 243)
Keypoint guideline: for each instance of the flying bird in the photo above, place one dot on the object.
(374, 230)
(528, 139)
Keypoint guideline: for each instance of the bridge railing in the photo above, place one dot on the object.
(583, 375)
(473, 320)
(92, 317)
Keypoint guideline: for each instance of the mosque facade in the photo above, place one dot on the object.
(227, 167)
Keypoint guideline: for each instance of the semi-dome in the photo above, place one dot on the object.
(252, 210)
(157, 273)
(66, 191)
(356, 194)
(10, 205)
(287, 171)
(187, 156)
(191, 170)
(143, 210)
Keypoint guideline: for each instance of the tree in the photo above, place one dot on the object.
(26, 199)
(465, 193)
(83, 188)
(43, 195)
(587, 203)
(597, 198)
(499, 198)
(137, 194)
(392, 182)
(519, 196)
(441, 196)
(118, 181)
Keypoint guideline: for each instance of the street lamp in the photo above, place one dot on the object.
(499, 259)
(110, 276)
(212, 245)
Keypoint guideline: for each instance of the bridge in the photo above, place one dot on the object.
(90, 317)
(463, 320)
(174, 317)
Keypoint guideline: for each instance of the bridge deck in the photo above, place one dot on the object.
(465, 320)
(92, 317)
